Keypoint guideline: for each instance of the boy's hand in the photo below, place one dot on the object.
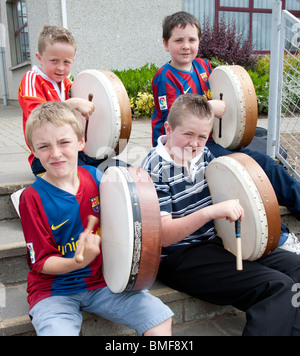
(85, 107)
(229, 209)
(88, 248)
(219, 107)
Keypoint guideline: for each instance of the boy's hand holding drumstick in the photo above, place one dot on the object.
(89, 244)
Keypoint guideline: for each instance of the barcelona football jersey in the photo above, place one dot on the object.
(169, 83)
(52, 220)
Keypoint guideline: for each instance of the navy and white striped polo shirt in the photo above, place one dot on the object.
(179, 192)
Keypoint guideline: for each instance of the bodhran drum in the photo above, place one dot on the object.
(109, 127)
(238, 176)
(238, 125)
(130, 229)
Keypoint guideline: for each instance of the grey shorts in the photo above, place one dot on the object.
(61, 315)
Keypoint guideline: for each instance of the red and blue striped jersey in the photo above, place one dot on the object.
(169, 83)
(52, 220)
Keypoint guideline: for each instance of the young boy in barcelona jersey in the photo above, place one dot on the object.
(186, 73)
(54, 212)
(194, 259)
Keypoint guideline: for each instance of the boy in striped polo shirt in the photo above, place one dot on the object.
(194, 260)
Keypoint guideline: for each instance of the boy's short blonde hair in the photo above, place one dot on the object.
(52, 34)
(179, 19)
(194, 104)
(56, 113)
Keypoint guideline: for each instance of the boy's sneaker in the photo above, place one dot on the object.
(292, 244)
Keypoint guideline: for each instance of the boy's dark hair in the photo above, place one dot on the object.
(179, 19)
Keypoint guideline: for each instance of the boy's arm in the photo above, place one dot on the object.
(58, 265)
(175, 230)
(85, 107)
(44, 257)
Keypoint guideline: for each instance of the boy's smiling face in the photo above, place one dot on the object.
(183, 46)
(187, 140)
(57, 60)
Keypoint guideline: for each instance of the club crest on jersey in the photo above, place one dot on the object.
(204, 76)
(95, 204)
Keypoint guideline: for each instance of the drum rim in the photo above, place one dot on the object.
(245, 131)
(114, 104)
(147, 234)
(268, 197)
(254, 199)
(105, 237)
(240, 104)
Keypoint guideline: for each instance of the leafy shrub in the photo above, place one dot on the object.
(143, 105)
(137, 83)
(261, 82)
(223, 41)
(261, 85)
(291, 79)
(137, 80)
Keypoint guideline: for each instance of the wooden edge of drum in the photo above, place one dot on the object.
(126, 117)
(151, 229)
(251, 105)
(268, 197)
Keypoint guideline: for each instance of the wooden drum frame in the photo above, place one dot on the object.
(130, 229)
(109, 127)
(233, 84)
(238, 176)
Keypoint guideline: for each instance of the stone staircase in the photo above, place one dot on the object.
(192, 317)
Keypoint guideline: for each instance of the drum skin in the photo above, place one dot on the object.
(130, 229)
(238, 176)
(240, 119)
(109, 127)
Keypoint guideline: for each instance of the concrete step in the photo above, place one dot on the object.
(7, 210)
(192, 317)
(13, 262)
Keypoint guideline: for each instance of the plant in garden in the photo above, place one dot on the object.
(261, 81)
(143, 106)
(291, 79)
(137, 80)
(137, 83)
(223, 41)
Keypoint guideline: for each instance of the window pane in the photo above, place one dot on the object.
(21, 31)
(262, 25)
(234, 3)
(292, 5)
(263, 4)
(241, 19)
(201, 8)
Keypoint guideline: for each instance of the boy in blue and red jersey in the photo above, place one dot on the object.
(187, 74)
(54, 213)
(184, 73)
